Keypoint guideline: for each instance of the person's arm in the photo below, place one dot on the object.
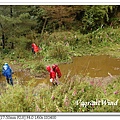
(52, 75)
(11, 70)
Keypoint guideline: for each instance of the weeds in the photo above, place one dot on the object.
(59, 51)
(76, 95)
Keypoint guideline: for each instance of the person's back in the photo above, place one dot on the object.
(56, 69)
(35, 48)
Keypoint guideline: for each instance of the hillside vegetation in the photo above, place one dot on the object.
(62, 32)
(74, 95)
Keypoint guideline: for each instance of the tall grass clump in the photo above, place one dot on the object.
(60, 51)
(40, 69)
(94, 42)
(35, 67)
(102, 36)
(59, 36)
(17, 99)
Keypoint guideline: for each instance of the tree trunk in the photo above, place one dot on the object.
(44, 26)
(3, 37)
(11, 14)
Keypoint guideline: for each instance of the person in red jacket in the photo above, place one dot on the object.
(56, 69)
(52, 75)
(35, 48)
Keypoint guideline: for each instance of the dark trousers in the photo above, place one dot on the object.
(33, 51)
(9, 80)
(55, 83)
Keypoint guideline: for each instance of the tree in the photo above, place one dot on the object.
(40, 15)
(61, 16)
(15, 22)
(3, 20)
(95, 17)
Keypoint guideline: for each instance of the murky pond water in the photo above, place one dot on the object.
(94, 66)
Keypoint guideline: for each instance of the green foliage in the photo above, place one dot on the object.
(17, 99)
(40, 69)
(59, 51)
(15, 22)
(57, 46)
(1, 64)
(74, 95)
(21, 52)
(94, 42)
(38, 14)
(95, 17)
(24, 21)
(68, 37)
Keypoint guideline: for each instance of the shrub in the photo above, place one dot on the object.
(17, 99)
(59, 51)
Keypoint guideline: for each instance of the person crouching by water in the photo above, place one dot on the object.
(52, 75)
(7, 72)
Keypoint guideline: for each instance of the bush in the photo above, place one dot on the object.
(40, 69)
(17, 99)
(95, 17)
(59, 51)
(22, 46)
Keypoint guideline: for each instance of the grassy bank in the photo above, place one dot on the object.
(60, 47)
(75, 95)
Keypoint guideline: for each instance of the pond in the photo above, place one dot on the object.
(94, 66)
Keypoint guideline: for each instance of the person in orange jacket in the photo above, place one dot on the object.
(35, 48)
(52, 75)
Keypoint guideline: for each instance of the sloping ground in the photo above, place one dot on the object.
(101, 81)
(113, 50)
